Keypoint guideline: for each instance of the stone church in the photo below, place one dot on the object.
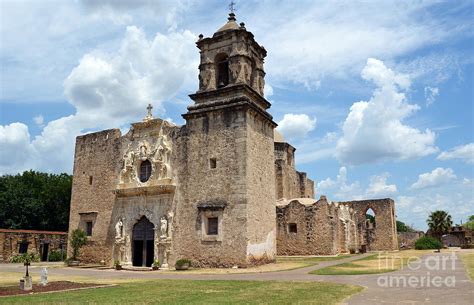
(221, 190)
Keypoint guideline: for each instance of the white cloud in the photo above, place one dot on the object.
(405, 201)
(125, 12)
(431, 94)
(462, 152)
(296, 125)
(339, 188)
(414, 210)
(15, 147)
(268, 90)
(143, 71)
(334, 39)
(378, 187)
(108, 90)
(436, 177)
(39, 120)
(374, 130)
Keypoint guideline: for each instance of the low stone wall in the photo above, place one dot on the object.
(406, 240)
(12, 242)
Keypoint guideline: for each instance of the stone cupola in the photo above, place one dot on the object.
(231, 57)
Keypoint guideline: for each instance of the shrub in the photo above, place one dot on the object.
(428, 242)
(182, 262)
(25, 257)
(156, 263)
(78, 240)
(117, 263)
(57, 256)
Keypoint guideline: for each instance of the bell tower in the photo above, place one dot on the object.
(231, 57)
(226, 199)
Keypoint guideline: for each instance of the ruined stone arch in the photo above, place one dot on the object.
(370, 217)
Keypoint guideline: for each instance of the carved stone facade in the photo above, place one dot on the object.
(207, 190)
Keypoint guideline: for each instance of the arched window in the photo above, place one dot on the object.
(370, 218)
(145, 171)
(222, 69)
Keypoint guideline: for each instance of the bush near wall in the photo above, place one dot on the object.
(57, 256)
(20, 258)
(428, 242)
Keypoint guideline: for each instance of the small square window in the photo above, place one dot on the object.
(89, 228)
(213, 226)
(292, 228)
(213, 163)
(23, 247)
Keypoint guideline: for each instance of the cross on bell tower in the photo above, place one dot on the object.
(232, 7)
(149, 115)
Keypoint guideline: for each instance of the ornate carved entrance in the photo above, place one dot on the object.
(143, 243)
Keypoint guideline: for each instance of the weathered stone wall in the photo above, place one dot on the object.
(260, 177)
(220, 135)
(316, 224)
(96, 168)
(384, 235)
(289, 182)
(10, 241)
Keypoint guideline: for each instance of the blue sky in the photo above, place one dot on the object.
(377, 96)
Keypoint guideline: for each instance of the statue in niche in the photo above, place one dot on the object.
(127, 171)
(163, 227)
(161, 157)
(119, 229)
(143, 151)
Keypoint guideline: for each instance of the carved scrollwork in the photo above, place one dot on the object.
(159, 156)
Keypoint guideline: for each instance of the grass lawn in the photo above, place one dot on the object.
(468, 260)
(377, 263)
(199, 292)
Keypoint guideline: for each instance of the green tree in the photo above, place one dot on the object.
(78, 240)
(440, 223)
(403, 227)
(36, 201)
(470, 223)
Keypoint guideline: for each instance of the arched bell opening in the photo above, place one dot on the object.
(222, 70)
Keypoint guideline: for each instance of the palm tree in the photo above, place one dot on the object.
(439, 223)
